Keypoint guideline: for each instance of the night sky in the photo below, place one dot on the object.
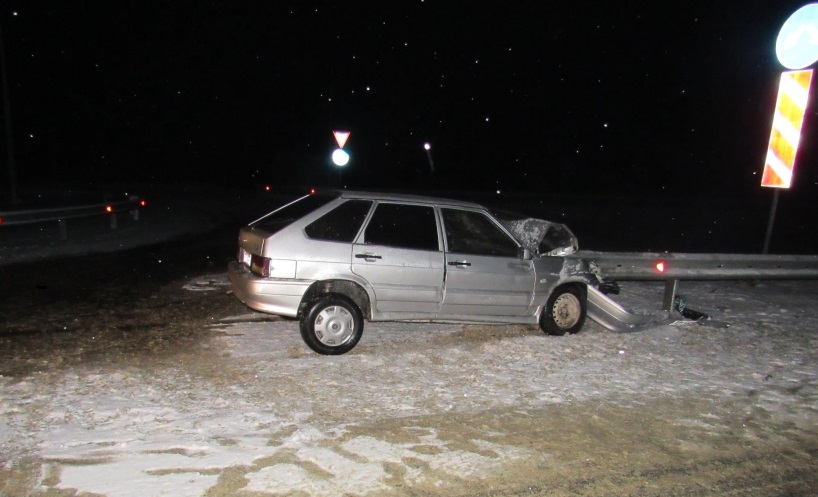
(625, 98)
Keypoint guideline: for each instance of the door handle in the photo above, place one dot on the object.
(367, 256)
(460, 263)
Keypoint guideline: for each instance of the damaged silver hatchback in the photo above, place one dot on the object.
(335, 259)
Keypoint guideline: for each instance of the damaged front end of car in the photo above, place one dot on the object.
(547, 239)
(540, 237)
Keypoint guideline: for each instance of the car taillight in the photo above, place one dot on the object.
(260, 266)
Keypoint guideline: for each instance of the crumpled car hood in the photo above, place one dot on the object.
(542, 238)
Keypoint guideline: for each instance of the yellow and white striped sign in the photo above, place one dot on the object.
(793, 94)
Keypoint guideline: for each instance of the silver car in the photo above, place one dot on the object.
(333, 259)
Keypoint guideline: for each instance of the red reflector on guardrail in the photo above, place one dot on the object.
(143, 203)
(109, 208)
(660, 266)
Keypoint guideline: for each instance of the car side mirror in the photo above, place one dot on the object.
(524, 254)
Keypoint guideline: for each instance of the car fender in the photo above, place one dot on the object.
(553, 272)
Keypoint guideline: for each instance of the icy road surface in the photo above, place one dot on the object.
(428, 409)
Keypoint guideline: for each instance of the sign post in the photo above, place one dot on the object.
(796, 48)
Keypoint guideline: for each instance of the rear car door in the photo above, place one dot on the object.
(485, 275)
(399, 254)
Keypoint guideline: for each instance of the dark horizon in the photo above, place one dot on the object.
(590, 98)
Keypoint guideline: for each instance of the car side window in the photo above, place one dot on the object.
(403, 226)
(341, 224)
(470, 232)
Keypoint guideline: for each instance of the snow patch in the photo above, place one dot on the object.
(283, 416)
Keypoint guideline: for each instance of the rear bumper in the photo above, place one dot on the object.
(271, 295)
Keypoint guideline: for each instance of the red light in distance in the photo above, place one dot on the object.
(143, 203)
(267, 188)
(312, 191)
(108, 208)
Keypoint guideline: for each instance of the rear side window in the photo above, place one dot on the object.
(342, 223)
(469, 232)
(284, 216)
(403, 226)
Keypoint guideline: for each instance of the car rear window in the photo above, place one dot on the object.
(284, 216)
(342, 223)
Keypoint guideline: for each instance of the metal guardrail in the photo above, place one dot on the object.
(688, 266)
(62, 214)
(672, 267)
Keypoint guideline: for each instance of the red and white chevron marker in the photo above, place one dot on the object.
(793, 95)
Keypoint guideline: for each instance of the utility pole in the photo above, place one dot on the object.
(7, 115)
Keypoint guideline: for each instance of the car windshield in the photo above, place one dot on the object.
(540, 236)
(283, 216)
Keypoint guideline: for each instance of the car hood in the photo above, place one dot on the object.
(543, 238)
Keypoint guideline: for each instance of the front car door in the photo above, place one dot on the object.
(399, 254)
(485, 275)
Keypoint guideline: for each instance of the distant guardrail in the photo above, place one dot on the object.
(62, 214)
(692, 266)
(673, 267)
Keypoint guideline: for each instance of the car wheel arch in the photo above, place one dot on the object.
(582, 285)
(352, 290)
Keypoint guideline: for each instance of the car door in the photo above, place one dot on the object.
(485, 275)
(399, 254)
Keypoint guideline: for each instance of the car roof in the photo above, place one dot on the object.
(408, 198)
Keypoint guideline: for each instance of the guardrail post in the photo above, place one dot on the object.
(113, 220)
(63, 229)
(134, 212)
(670, 294)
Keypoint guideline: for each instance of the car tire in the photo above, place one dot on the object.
(332, 325)
(564, 311)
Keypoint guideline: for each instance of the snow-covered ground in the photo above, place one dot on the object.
(412, 410)
(261, 413)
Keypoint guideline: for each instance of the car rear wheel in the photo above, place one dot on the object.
(564, 312)
(332, 325)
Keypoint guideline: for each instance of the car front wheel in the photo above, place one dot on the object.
(564, 312)
(332, 325)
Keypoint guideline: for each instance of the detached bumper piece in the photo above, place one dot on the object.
(680, 305)
(609, 287)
